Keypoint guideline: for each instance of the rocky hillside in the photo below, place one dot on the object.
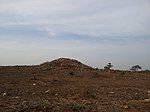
(64, 64)
(59, 66)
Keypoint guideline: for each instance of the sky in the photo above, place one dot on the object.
(94, 32)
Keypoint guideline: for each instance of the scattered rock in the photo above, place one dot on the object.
(34, 84)
(56, 94)
(147, 100)
(17, 97)
(111, 92)
(24, 103)
(4, 94)
(33, 93)
(136, 93)
(125, 107)
(47, 91)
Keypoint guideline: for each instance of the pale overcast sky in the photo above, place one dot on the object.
(94, 32)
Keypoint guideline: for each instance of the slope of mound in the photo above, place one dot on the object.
(64, 64)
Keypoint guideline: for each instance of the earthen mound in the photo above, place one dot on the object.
(64, 64)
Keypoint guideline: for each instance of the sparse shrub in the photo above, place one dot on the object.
(108, 66)
(71, 73)
(90, 93)
(96, 74)
(147, 70)
(42, 105)
(136, 68)
(81, 106)
(75, 106)
(123, 73)
(97, 69)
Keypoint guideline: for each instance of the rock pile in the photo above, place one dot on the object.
(64, 64)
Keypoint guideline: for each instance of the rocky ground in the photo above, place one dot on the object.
(66, 85)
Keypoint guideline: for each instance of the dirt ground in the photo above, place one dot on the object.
(66, 85)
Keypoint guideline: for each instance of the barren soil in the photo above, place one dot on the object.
(66, 85)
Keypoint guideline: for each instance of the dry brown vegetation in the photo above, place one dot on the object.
(66, 85)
